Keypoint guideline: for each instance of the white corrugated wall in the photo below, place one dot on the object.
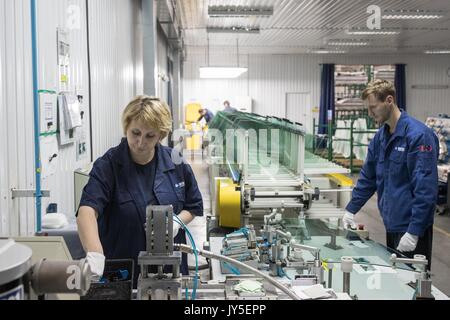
(115, 72)
(116, 66)
(270, 76)
(16, 117)
(53, 14)
(212, 92)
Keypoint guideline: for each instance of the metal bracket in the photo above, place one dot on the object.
(28, 193)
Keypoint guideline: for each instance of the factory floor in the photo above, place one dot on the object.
(369, 216)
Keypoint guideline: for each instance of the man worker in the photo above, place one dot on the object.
(401, 166)
(228, 107)
(205, 114)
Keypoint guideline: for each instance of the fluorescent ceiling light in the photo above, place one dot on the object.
(239, 11)
(347, 43)
(437, 52)
(372, 32)
(221, 72)
(234, 29)
(412, 14)
(328, 51)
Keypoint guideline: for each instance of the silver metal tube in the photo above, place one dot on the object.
(394, 260)
(278, 194)
(274, 204)
(314, 250)
(346, 283)
(245, 169)
(160, 270)
(330, 277)
(286, 235)
(271, 184)
(209, 254)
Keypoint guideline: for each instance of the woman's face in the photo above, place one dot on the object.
(142, 139)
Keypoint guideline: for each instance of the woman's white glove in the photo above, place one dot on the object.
(96, 262)
(176, 228)
(408, 243)
(348, 220)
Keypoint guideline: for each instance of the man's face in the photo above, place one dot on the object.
(142, 139)
(380, 111)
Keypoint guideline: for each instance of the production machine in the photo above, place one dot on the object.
(274, 228)
(24, 276)
(260, 166)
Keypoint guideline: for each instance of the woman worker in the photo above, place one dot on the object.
(129, 177)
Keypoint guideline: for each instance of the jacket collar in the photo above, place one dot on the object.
(164, 161)
(400, 129)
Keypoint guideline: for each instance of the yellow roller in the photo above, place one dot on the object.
(340, 179)
(228, 203)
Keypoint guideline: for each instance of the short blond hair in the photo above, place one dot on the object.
(150, 111)
(380, 89)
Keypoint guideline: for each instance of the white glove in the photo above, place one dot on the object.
(96, 263)
(408, 243)
(348, 220)
(176, 228)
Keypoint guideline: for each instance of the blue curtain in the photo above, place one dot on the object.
(326, 96)
(400, 85)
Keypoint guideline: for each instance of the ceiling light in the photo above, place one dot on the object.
(221, 72)
(328, 51)
(239, 11)
(437, 51)
(412, 14)
(372, 32)
(347, 43)
(234, 29)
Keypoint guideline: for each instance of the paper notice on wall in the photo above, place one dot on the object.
(49, 155)
(72, 116)
(48, 113)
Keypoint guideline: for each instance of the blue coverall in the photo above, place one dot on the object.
(402, 169)
(208, 116)
(114, 192)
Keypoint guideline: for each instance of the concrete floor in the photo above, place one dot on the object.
(368, 215)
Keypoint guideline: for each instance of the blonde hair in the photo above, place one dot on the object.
(150, 111)
(380, 89)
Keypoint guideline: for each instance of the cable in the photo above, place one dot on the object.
(191, 239)
(283, 273)
(194, 290)
(243, 266)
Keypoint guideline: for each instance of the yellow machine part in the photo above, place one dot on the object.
(228, 203)
(340, 179)
(192, 114)
(194, 142)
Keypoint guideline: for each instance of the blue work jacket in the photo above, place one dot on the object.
(113, 191)
(402, 169)
(208, 116)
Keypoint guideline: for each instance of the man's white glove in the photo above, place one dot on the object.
(408, 243)
(348, 220)
(176, 228)
(96, 262)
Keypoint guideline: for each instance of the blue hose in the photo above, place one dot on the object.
(194, 289)
(37, 157)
